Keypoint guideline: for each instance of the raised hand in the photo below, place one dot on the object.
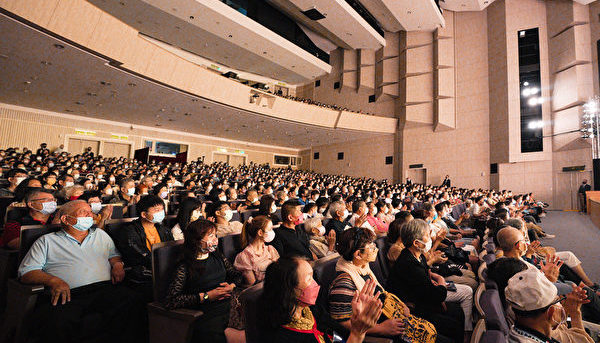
(551, 267)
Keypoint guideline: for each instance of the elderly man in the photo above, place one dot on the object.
(81, 269)
(339, 214)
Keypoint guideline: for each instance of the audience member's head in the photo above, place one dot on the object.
(259, 227)
(151, 209)
(357, 244)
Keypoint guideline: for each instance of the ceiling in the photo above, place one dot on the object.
(40, 71)
(478, 5)
(407, 15)
(215, 31)
(341, 20)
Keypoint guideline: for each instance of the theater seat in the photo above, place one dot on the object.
(247, 214)
(21, 298)
(113, 225)
(230, 246)
(236, 217)
(382, 258)
(493, 336)
(168, 325)
(117, 212)
(170, 221)
(9, 260)
(494, 312)
(249, 299)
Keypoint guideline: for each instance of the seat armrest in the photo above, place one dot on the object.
(22, 288)
(9, 252)
(180, 313)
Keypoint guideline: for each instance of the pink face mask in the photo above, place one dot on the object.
(310, 293)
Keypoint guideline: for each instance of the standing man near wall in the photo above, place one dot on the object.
(446, 182)
(582, 197)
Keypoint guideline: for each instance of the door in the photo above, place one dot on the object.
(418, 175)
(566, 185)
(221, 158)
(78, 145)
(111, 149)
(235, 160)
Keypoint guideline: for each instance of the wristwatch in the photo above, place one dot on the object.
(204, 297)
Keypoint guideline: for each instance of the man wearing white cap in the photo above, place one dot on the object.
(536, 305)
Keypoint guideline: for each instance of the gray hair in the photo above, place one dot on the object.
(336, 206)
(311, 223)
(412, 231)
(69, 207)
(34, 192)
(514, 222)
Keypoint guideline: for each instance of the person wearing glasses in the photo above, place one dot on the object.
(41, 205)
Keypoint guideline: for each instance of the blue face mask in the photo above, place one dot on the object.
(435, 216)
(83, 223)
(158, 217)
(48, 207)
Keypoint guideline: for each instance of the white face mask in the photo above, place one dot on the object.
(108, 191)
(374, 211)
(269, 236)
(223, 198)
(427, 245)
(96, 207)
(69, 184)
(273, 208)
(195, 215)
(228, 215)
(346, 213)
(321, 230)
(18, 180)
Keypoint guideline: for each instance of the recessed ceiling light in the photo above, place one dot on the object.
(264, 52)
(230, 36)
(178, 28)
(27, 82)
(171, 119)
(409, 12)
(68, 110)
(46, 63)
(131, 84)
(122, 3)
(194, 100)
(187, 114)
(157, 124)
(59, 46)
(79, 102)
(99, 104)
(192, 17)
(91, 94)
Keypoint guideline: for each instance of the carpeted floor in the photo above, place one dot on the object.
(575, 232)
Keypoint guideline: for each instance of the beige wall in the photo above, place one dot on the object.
(362, 158)
(27, 127)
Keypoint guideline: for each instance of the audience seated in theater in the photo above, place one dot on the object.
(412, 280)
(268, 208)
(360, 209)
(15, 177)
(190, 209)
(106, 191)
(502, 270)
(135, 241)
(222, 214)
(281, 197)
(538, 310)
(393, 239)
(82, 270)
(357, 249)
(512, 243)
(100, 214)
(289, 283)
(253, 261)
(252, 201)
(40, 207)
(338, 214)
(126, 195)
(204, 280)
(290, 238)
(321, 244)
(49, 181)
(380, 227)
(310, 211)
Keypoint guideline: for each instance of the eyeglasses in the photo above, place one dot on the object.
(43, 199)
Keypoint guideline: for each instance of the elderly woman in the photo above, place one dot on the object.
(412, 280)
(320, 244)
(357, 248)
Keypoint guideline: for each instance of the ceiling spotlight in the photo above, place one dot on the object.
(27, 82)
(521, 34)
(535, 124)
(192, 17)
(91, 94)
(79, 102)
(535, 101)
(105, 83)
(59, 46)
(131, 84)
(525, 83)
(230, 36)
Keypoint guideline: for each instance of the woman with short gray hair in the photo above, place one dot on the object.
(413, 281)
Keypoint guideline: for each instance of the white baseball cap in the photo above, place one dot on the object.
(530, 290)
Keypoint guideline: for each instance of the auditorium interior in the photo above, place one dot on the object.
(232, 171)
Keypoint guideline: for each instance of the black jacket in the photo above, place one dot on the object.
(409, 279)
(131, 242)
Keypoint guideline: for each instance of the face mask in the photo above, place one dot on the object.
(112, 180)
(223, 198)
(164, 195)
(96, 207)
(158, 217)
(48, 207)
(228, 215)
(76, 176)
(388, 201)
(385, 210)
(69, 184)
(273, 208)
(39, 158)
(51, 181)
(286, 198)
(563, 318)
(321, 230)
(195, 215)
(208, 247)
(269, 236)
(435, 216)
(374, 211)
(131, 192)
(346, 213)
(427, 245)
(73, 197)
(310, 293)
(83, 223)
(300, 220)
(18, 180)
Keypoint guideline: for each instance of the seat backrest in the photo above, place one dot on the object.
(493, 336)
(230, 246)
(4, 203)
(249, 299)
(478, 331)
(491, 304)
(117, 212)
(247, 214)
(489, 258)
(236, 217)
(490, 284)
(456, 212)
(30, 233)
(383, 248)
(324, 273)
(164, 261)
(324, 221)
(113, 225)
(278, 212)
(131, 211)
(477, 298)
(490, 248)
(170, 221)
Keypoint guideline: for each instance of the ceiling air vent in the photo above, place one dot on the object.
(314, 14)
